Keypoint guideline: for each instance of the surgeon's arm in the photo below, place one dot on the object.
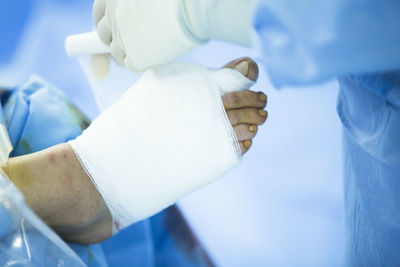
(58, 189)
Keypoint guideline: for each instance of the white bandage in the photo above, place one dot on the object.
(167, 136)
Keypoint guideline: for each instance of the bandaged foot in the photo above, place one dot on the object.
(142, 164)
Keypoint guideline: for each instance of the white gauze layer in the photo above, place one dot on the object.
(167, 136)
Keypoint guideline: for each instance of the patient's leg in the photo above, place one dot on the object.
(58, 189)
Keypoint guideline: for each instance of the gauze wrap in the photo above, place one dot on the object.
(166, 136)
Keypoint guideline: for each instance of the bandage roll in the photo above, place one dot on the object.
(167, 136)
(85, 44)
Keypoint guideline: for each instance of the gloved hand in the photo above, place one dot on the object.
(142, 34)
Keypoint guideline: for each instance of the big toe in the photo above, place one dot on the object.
(246, 66)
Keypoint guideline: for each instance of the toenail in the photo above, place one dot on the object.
(252, 128)
(262, 113)
(243, 67)
(262, 97)
(247, 144)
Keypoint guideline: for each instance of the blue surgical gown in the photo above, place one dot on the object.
(305, 42)
(38, 116)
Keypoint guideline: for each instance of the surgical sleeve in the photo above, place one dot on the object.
(310, 41)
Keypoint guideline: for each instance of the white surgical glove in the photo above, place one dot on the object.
(167, 136)
(146, 33)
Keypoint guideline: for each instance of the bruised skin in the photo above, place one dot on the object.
(58, 189)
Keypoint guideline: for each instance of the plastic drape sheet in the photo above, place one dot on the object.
(24, 239)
